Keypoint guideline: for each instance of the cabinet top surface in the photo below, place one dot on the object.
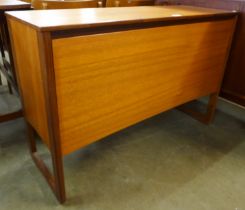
(13, 4)
(52, 20)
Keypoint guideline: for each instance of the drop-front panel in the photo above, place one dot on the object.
(106, 82)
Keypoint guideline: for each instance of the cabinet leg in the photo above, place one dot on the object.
(10, 88)
(206, 117)
(10, 116)
(55, 180)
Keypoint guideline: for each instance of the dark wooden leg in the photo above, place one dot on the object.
(1, 82)
(1, 53)
(56, 180)
(206, 117)
(10, 88)
(10, 116)
(1, 43)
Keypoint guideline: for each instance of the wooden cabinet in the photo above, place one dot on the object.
(102, 70)
(233, 87)
(6, 58)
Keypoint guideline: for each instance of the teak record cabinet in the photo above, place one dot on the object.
(87, 73)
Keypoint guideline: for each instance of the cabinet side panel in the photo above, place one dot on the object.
(106, 82)
(27, 61)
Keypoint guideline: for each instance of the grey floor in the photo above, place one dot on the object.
(168, 162)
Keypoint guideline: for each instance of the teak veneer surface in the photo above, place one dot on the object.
(51, 20)
(109, 81)
(13, 4)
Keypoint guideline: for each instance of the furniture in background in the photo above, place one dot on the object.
(115, 67)
(69, 4)
(27, 1)
(233, 87)
(129, 3)
(6, 58)
(57, 4)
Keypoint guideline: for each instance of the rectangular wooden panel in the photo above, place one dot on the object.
(106, 82)
(28, 69)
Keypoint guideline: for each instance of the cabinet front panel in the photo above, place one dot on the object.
(107, 82)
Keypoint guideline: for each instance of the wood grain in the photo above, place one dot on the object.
(107, 82)
(29, 73)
